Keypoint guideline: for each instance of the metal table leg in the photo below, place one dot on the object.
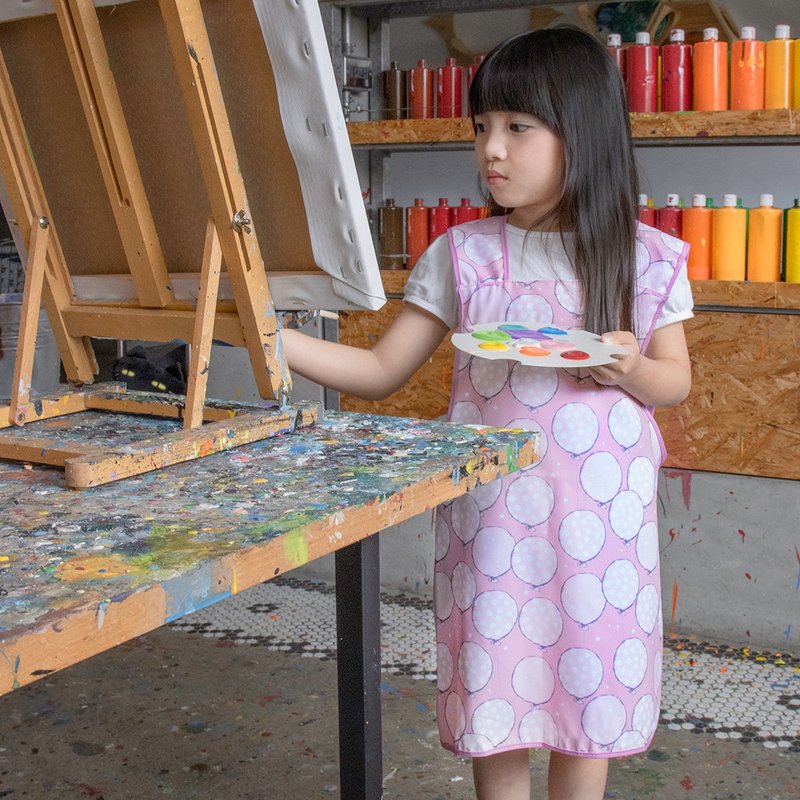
(359, 670)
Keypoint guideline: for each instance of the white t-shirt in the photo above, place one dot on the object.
(532, 255)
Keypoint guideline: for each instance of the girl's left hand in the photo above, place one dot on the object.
(614, 374)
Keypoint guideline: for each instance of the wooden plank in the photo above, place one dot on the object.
(150, 325)
(106, 466)
(38, 450)
(216, 150)
(26, 195)
(203, 329)
(664, 124)
(57, 405)
(80, 29)
(29, 320)
(167, 406)
(742, 294)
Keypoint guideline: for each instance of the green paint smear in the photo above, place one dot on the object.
(491, 336)
(174, 547)
(295, 548)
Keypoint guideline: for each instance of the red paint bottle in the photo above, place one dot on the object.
(676, 73)
(438, 219)
(416, 231)
(419, 83)
(647, 214)
(471, 70)
(642, 74)
(616, 51)
(669, 218)
(448, 89)
(466, 212)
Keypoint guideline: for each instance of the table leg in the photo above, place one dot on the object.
(359, 670)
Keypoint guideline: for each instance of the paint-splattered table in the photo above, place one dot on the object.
(81, 572)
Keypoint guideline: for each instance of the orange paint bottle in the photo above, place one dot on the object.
(416, 232)
(779, 70)
(764, 241)
(710, 92)
(697, 231)
(748, 57)
(419, 85)
(729, 240)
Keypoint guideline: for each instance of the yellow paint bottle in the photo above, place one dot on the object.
(728, 240)
(792, 251)
(779, 70)
(764, 241)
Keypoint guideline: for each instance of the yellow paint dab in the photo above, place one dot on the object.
(89, 567)
(260, 480)
(5, 558)
(493, 346)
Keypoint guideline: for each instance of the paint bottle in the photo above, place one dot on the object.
(747, 71)
(419, 83)
(438, 219)
(676, 73)
(448, 89)
(764, 241)
(710, 89)
(792, 249)
(617, 52)
(728, 240)
(796, 81)
(394, 92)
(416, 231)
(668, 219)
(642, 74)
(696, 229)
(390, 235)
(647, 214)
(471, 70)
(779, 70)
(465, 212)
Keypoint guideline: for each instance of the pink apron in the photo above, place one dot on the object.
(546, 588)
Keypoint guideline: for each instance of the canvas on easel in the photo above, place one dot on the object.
(124, 157)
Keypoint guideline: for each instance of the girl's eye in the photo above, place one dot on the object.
(479, 127)
(519, 127)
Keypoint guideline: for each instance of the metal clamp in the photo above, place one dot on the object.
(241, 222)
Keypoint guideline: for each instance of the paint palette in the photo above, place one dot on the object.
(537, 345)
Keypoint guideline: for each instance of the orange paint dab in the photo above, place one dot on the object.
(529, 350)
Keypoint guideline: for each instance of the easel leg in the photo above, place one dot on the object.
(29, 320)
(358, 664)
(203, 329)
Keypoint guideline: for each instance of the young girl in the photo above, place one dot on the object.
(546, 582)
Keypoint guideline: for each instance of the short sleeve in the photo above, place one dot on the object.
(679, 302)
(431, 285)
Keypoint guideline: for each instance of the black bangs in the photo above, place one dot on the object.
(515, 76)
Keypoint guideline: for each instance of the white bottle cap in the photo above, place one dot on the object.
(677, 35)
(766, 200)
(710, 34)
(748, 32)
(643, 199)
(729, 200)
(673, 200)
(643, 37)
(614, 40)
(783, 32)
(699, 200)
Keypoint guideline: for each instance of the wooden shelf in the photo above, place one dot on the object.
(691, 127)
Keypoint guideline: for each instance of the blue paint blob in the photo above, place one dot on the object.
(552, 331)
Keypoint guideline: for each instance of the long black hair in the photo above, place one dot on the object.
(565, 78)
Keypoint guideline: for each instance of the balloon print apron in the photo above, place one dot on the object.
(546, 584)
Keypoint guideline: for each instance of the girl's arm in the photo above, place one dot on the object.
(660, 377)
(375, 373)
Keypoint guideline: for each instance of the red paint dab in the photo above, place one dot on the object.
(748, 576)
(742, 534)
(575, 355)
(687, 784)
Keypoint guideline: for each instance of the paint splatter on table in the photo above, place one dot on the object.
(83, 571)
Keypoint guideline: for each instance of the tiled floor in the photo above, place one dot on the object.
(711, 690)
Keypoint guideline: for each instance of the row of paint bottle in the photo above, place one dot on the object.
(424, 92)
(710, 75)
(405, 233)
(732, 243)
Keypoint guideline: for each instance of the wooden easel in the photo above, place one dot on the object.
(229, 234)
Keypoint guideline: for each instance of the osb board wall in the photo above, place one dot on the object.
(742, 415)
(142, 65)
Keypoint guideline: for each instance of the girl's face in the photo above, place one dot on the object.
(521, 161)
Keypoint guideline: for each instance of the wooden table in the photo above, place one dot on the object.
(81, 572)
